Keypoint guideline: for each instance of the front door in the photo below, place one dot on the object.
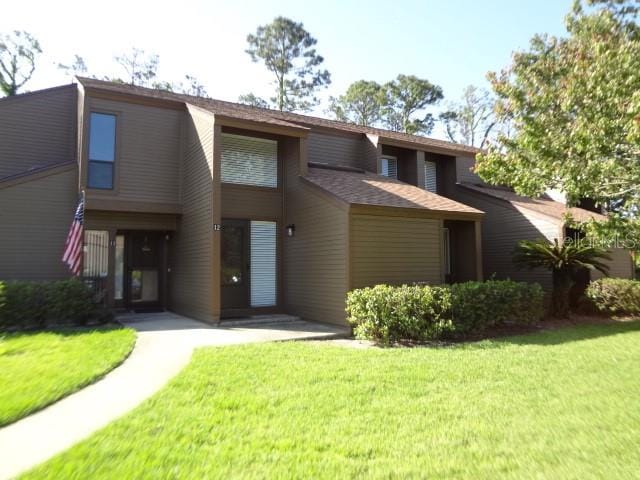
(235, 264)
(144, 272)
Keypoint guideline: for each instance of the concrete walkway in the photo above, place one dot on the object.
(164, 346)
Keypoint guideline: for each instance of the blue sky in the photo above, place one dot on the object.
(452, 43)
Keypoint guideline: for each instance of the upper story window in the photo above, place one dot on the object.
(430, 177)
(390, 167)
(102, 150)
(249, 161)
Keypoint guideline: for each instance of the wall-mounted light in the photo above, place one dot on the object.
(291, 230)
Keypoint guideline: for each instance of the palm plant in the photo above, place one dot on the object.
(563, 260)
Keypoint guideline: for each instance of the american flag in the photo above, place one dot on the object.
(72, 256)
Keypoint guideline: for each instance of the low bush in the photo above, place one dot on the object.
(387, 314)
(27, 305)
(615, 295)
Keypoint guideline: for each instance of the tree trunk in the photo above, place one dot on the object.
(560, 295)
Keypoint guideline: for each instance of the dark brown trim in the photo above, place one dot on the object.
(339, 168)
(93, 202)
(107, 94)
(425, 147)
(388, 211)
(257, 125)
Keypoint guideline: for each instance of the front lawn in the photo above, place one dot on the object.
(558, 404)
(36, 369)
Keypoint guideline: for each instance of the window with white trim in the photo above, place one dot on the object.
(390, 167)
(249, 161)
(430, 177)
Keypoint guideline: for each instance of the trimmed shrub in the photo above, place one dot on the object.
(615, 295)
(26, 305)
(480, 305)
(387, 314)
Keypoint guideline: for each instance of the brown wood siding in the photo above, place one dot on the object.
(37, 129)
(100, 220)
(337, 150)
(192, 273)
(244, 202)
(620, 265)
(502, 227)
(395, 250)
(148, 151)
(35, 218)
(463, 170)
(315, 259)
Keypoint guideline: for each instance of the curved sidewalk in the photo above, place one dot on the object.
(163, 347)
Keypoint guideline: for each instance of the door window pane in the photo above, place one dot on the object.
(144, 285)
(119, 268)
(96, 253)
(263, 264)
(232, 250)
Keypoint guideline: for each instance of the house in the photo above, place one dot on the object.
(214, 210)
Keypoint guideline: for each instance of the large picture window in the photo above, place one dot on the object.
(249, 161)
(102, 150)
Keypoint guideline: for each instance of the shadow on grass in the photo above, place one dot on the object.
(70, 331)
(568, 334)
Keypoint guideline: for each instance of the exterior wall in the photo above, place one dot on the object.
(502, 227)
(315, 259)
(192, 273)
(245, 202)
(462, 237)
(336, 150)
(38, 129)
(35, 218)
(463, 170)
(102, 220)
(620, 266)
(147, 165)
(395, 250)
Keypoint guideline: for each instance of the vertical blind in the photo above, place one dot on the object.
(263, 264)
(430, 183)
(249, 161)
(96, 253)
(390, 167)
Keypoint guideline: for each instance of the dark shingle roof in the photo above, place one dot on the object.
(544, 204)
(365, 188)
(247, 112)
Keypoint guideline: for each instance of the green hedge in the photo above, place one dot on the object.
(615, 295)
(386, 314)
(27, 305)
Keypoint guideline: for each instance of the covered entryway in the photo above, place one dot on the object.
(144, 267)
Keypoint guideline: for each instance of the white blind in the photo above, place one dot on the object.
(390, 167)
(96, 253)
(263, 264)
(249, 160)
(430, 183)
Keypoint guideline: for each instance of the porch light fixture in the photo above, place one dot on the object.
(291, 230)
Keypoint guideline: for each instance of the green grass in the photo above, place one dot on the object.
(36, 369)
(559, 404)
